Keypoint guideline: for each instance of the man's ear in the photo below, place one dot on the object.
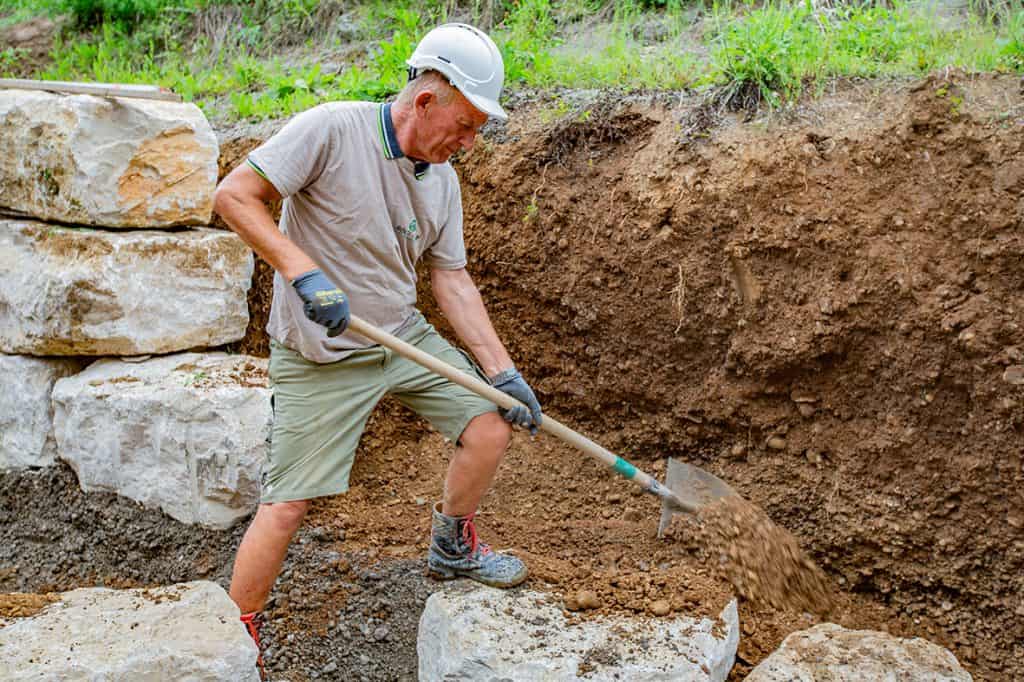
(423, 99)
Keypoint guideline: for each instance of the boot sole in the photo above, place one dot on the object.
(443, 574)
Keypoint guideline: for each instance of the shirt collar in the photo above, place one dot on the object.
(389, 140)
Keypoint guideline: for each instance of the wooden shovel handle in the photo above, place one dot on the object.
(549, 424)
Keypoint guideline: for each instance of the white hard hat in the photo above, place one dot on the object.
(470, 60)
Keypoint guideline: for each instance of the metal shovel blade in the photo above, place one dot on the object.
(693, 486)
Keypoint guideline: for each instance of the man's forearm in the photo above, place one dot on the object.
(240, 203)
(460, 301)
(263, 237)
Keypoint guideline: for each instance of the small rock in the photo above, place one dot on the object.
(776, 443)
(806, 409)
(1014, 375)
(660, 607)
(381, 633)
(813, 456)
(583, 600)
(329, 668)
(632, 515)
(738, 450)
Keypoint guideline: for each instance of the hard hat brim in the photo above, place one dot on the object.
(487, 105)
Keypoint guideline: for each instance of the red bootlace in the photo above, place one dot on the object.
(252, 622)
(469, 536)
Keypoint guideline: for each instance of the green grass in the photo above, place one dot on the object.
(260, 59)
(768, 52)
(773, 51)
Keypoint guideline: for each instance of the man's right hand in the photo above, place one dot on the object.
(325, 303)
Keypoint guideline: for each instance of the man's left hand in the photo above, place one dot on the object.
(511, 382)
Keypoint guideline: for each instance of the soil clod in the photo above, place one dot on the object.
(23, 605)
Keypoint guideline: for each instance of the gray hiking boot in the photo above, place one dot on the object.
(455, 551)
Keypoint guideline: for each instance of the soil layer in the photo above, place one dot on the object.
(823, 308)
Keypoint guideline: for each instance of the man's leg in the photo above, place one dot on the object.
(455, 549)
(481, 436)
(262, 552)
(470, 472)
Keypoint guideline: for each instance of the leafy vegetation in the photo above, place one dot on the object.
(269, 58)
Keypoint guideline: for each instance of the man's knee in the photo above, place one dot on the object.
(285, 516)
(487, 432)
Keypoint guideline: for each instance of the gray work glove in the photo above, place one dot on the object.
(511, 382)
(325, 303)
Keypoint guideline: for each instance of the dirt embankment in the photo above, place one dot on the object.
(825, 309)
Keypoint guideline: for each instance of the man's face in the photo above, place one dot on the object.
(446, 128)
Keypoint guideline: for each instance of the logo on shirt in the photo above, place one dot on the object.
(412, 231)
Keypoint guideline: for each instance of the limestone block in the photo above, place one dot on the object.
(26, 415)
(106, 161)
(469, 632)
(188, 631)
(183, 433)
(79, 291)
(833, 653)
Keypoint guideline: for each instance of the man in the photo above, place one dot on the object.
(368, 191)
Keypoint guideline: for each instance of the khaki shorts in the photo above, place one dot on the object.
(320, 410)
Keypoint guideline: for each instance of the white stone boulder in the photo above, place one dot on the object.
(26, 414)
(833, 653)
(106, 161)
(188, 631)
(79, 291)
(183, 433)
(469, 632)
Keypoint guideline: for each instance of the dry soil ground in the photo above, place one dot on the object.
(823, 307)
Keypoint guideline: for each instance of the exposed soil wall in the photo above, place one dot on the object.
(824, 309)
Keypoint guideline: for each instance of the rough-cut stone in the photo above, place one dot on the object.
(830, 652)
(184, 433)
(111, 162)
(79, 291)
(26, 415)
(469, 632)
(188, 631)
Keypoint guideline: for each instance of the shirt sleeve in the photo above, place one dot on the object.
(295, 156)
(448, 252)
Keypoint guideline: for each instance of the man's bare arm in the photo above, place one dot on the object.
(460, 301)
(241, 200)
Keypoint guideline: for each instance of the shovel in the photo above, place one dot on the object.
(686, 488)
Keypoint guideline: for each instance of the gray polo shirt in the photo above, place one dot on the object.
(364, 213)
